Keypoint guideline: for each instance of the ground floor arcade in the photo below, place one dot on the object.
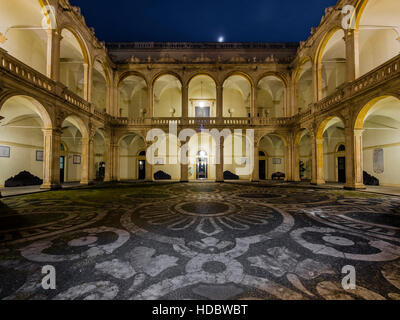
(332, 149)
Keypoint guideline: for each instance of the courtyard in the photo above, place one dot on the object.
(199, 241)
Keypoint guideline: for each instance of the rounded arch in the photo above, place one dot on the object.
(105, 67)
(79, 123)
(281, 136)
(82, 43)
(323, 43)
(271, 95)
(23, 31)
(378, 29)
(237, 95)
(167, 95)
(166, 73)
(303, 84)
(325, 124)
(299, 135)
(202, 73)
(300, 67)
(367, 108)
(130, 73)
(277, 75)
(37, 107)
(202, 95)
(122, 135)
(239, 73)
(330, 62)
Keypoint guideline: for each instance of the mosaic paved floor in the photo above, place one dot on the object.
(200, 241)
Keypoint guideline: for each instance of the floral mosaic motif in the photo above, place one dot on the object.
(203, 241)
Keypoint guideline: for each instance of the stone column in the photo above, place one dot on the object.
(354, 159)
(108, 161)
(296, 163)
(87, 82)
(115, 162)
(185, 101)
(317, 161)
(51, 164)
(288, 161)
(253, 111)
(87, 164)
(219, 166)
(316, 70)
(220, 103)
(352, 54)
(53, 54)
(149, 166)
(150, 110)
(255, 177)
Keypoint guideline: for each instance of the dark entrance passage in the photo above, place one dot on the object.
(142, 169)
(262, 170)
(341, 169)
(62, 169)
(202, 166)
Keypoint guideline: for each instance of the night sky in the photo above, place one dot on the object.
(206, 20)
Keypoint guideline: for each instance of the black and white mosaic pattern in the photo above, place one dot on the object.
(200, 241)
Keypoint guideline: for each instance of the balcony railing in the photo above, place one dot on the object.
(27, 74)
(378, 76)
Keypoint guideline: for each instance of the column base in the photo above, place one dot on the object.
(219, 181)
(255, 180)
(357, 186)
(86, 183)
(49, 186)
(318, 182)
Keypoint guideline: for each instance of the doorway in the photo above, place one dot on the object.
(142, 169)
(62, 169)
(341, 169)
(262, 170)
(202, 166)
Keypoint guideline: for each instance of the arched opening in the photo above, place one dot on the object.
(380, 120)
(133, 97)
(263, 164)
(73, 133)
(236, 97)
(166, 153)
(332, 64)
(274, 147)
(238, 155)
(202, 157)
(22, 120)
(23, 32)
(304, 86)
(271, 94)
(331, 163)
(202, 97)
(379, 33)
(130, 158)
(99, 95)
(72, 63)
(304, 151)
(167, 97)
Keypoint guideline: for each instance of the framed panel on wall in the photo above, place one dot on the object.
(77, 159)
(39, 155)
(276, 161)
(5, 152)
